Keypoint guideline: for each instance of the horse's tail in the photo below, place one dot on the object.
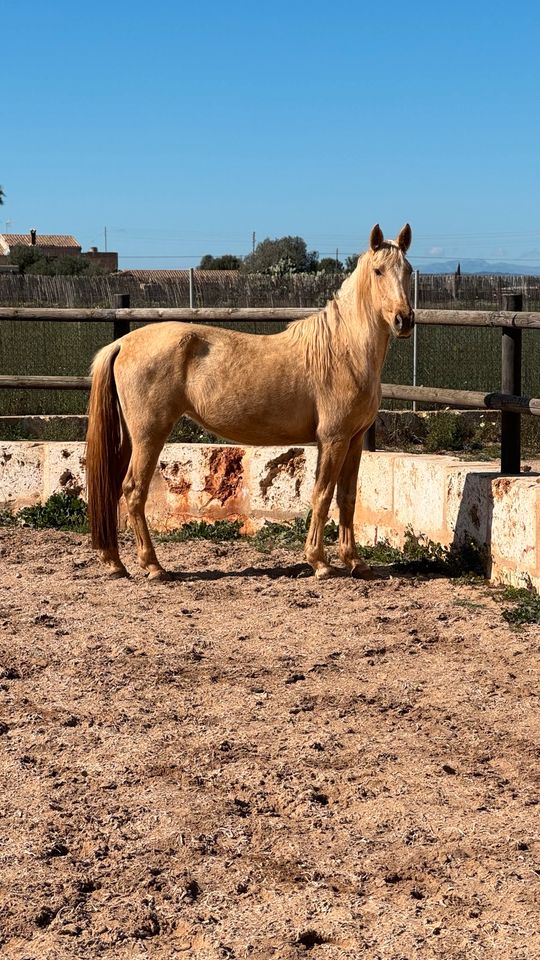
(103, 442)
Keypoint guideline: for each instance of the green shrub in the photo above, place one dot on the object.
(291, 535)
(421, 555)
(62, 511)
(526, 607)
(446, 431)
(459, 559)
(187, 431)
(201, 530)
(530, 435)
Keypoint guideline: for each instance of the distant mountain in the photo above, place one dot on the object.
(478, 266)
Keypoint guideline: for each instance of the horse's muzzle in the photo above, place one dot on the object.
(403, 324)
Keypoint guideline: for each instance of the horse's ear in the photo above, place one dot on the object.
(376, 237)
(404, 238)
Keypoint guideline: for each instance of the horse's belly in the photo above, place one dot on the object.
(253, 421)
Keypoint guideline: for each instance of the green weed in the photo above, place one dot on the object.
(446, 431)
(421, 555)
(62, 511)
(187, 431)
(459, 559)
(290, 535)
(526, 605)
(201, 530)
(380, 554)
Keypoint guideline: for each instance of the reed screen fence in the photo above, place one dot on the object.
(446, 356)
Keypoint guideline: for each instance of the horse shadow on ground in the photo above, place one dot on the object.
(294, 571)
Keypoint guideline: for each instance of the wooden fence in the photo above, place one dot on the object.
(512, 320)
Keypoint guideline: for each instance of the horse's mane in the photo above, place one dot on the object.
(342, 328)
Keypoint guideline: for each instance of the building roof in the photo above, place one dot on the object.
(42, 240)
(157, 276)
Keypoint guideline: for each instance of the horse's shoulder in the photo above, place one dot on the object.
(193, 343)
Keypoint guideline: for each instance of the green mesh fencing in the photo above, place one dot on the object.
(458, 358)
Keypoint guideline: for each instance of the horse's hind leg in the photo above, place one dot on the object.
(346, 501)
(141, 468)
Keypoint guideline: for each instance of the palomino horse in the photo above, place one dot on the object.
(318, 380)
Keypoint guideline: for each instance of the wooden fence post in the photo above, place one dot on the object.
(511, 383)
(120, 327)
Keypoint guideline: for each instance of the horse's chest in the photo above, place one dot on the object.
(357, 408)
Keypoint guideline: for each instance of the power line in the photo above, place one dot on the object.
(332, 253)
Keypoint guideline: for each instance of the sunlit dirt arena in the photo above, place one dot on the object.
(246, 762)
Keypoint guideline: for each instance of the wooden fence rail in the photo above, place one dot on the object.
(512, 320)
(461, 399)
(455, 318)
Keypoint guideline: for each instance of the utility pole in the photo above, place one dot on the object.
(253, 242)
(105, 232)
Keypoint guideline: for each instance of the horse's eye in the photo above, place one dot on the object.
(378, 272)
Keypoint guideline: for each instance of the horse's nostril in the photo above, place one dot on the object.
(398, 322)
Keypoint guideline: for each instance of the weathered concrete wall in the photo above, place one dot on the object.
(440, 497)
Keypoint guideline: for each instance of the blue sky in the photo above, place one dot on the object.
(184, 128)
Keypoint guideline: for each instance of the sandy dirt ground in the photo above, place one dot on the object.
(247, 763)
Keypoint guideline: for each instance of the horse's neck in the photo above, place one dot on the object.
(367, 338)
(376, 334)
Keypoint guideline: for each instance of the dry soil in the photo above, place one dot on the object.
(247, 763)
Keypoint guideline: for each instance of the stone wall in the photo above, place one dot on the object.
(440, 497)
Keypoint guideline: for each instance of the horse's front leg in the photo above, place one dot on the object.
(330, 460)
(346, 500)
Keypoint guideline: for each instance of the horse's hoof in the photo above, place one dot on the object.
(361, 571)
(160, 576)
(118, 573)
(324, 573)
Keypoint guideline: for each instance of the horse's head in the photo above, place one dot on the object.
(388, 275)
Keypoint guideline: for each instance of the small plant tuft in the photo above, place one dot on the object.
(526, 605)
(290, 535)
(421, 555)
(201, 530)
(62, 511)
(381, 553)
(7, 518)
(459, 559)
(446, 431)
(187, 431)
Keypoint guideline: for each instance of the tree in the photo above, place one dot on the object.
(351, 261)
(33, 260)
(281, 256)
(330, 265)
(227, 261)
(2, 195)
